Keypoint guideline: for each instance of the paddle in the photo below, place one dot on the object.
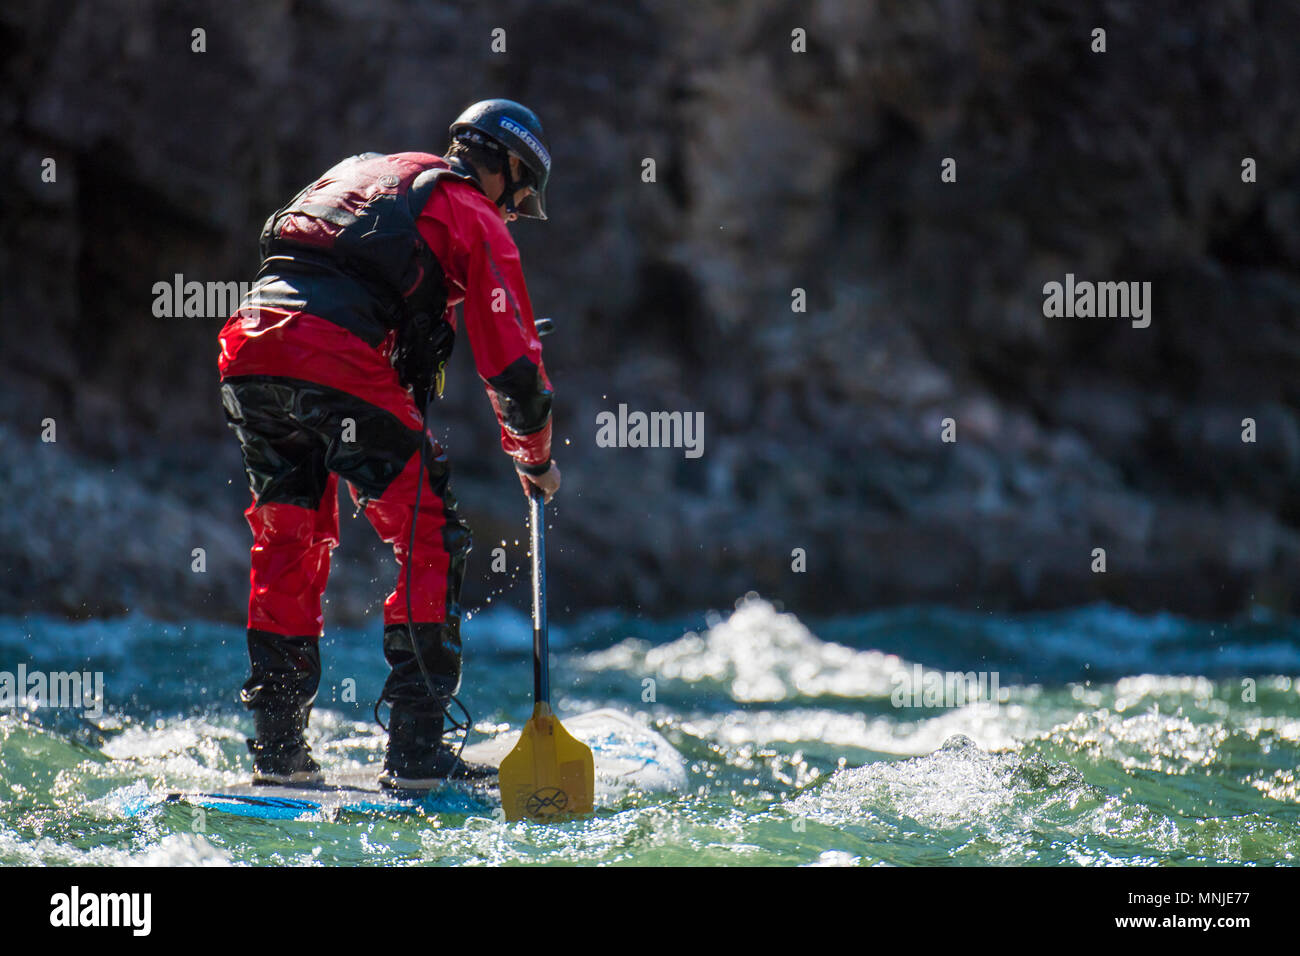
(549, 774)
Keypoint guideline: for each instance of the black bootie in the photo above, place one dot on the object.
(417, 757)
(280, 693)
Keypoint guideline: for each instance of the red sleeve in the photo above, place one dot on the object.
(481, 263)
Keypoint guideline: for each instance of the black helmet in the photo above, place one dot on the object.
(516, 128)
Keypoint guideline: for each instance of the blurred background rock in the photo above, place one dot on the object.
(775, 170)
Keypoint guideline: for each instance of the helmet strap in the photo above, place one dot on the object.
(507, 198)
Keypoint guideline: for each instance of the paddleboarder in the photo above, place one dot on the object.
(328, 369)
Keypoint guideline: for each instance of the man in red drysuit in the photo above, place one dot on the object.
(327, 370)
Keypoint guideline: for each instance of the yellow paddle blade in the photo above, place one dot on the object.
(549, 774)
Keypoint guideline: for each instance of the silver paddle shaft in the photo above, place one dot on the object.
(541, 655)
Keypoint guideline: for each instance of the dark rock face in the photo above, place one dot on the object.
(774, 171)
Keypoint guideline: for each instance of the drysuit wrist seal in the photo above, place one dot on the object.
(533, 470)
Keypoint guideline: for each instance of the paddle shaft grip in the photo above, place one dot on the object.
(541, 654)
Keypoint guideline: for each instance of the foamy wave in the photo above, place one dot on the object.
(758, 654)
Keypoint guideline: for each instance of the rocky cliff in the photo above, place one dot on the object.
(774, 170)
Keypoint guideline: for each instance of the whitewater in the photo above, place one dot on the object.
(1114, 738)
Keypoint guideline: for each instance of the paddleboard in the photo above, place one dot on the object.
(628, 756)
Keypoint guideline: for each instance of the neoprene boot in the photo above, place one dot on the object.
(417, 757)
(280, 693)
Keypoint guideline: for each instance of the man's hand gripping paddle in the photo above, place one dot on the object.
(549, 774)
